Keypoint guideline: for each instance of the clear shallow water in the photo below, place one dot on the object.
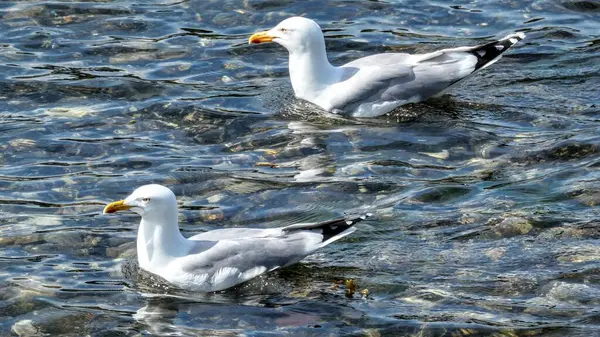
(485, 201)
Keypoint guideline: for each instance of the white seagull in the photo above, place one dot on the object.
(218, 259)
(374, 85)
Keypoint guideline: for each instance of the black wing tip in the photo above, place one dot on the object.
(491, 51)
(510, 40)
(359, 219)
(334, 228)
(517, 36)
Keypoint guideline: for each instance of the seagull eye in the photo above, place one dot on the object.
(146, 200)
(283, 30)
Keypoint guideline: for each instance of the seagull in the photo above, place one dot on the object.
(222, 258)
(374, 85)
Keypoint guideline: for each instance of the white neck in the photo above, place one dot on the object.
(310, 71)
(159, 243)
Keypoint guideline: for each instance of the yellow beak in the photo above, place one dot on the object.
(260, 37)
(116, 206)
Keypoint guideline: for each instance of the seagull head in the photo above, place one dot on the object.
(296, 34)
(153, 201)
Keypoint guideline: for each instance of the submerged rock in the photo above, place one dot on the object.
(571, 293)
(512, 226)
(25, 328)
(579, 254)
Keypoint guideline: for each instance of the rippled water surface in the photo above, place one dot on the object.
(485, 201)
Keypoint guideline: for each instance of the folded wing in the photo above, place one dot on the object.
(378, 83)
(241, 254)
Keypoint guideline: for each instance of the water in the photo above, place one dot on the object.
(485, 202)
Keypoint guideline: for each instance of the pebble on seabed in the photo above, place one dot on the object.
(511, 226)
(25, 328)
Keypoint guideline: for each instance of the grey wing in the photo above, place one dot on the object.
(229, 262)
(382, 60)
(230, 233)
(216, 265)
(432, 73)
(368, 79)
(438, 71)
(359, 84)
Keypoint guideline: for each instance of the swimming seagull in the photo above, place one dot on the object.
(218, 259)
(374, 85)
